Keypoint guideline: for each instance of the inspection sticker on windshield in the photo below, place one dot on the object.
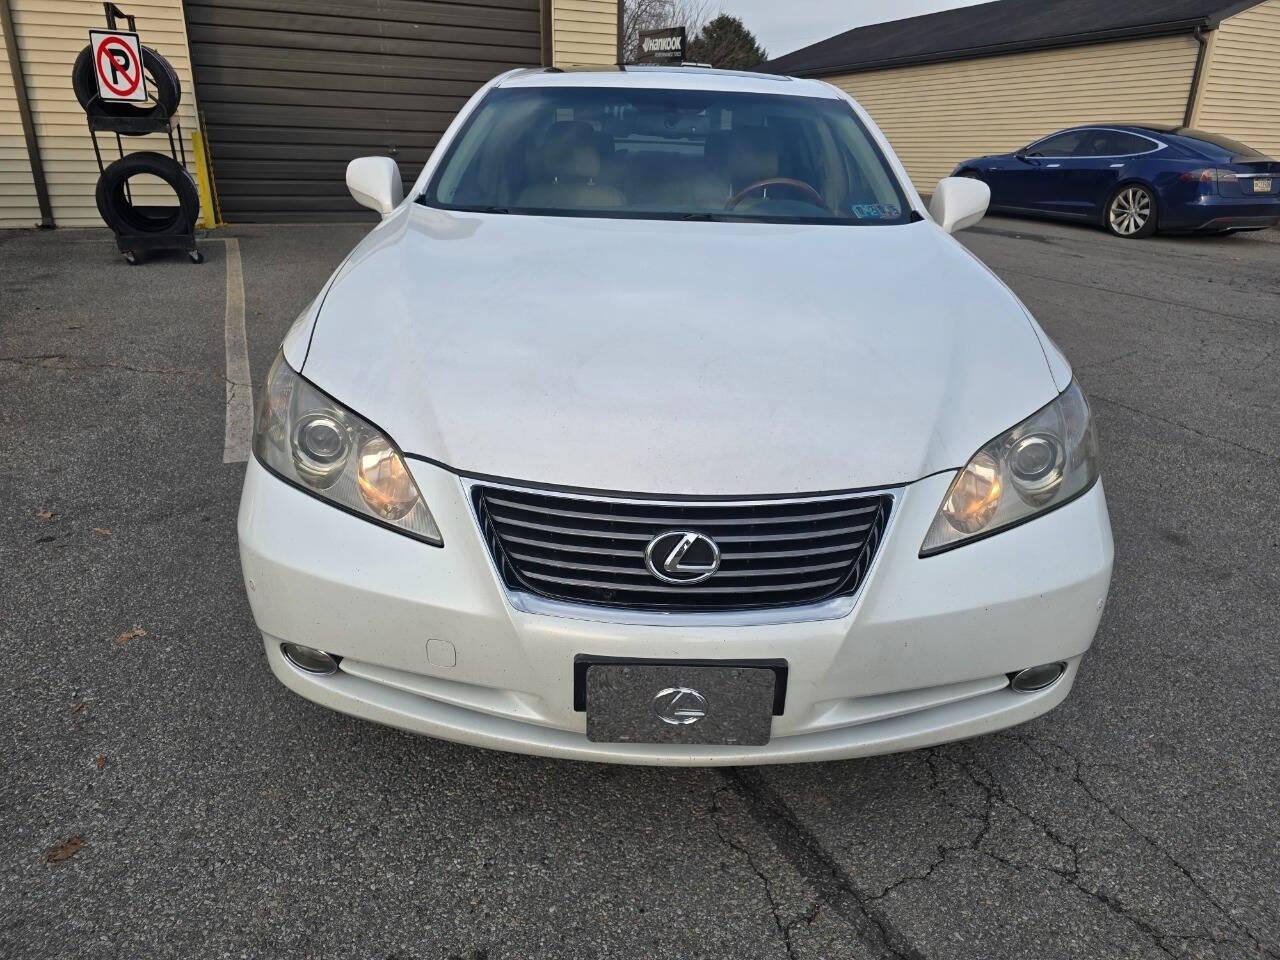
(876, 211)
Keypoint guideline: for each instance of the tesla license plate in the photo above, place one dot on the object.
(670, 703)
(1261, 186)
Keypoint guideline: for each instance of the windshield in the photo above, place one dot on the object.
(667, 154)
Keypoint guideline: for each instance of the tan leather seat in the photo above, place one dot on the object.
(753, 154)
(646, 177)
(666, 181)
(571, 159)
(610, 163)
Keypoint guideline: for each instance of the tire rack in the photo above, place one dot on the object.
(130, 243)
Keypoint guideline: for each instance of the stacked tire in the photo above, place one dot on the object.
(121, 215)
(113, 195)
(161, 76)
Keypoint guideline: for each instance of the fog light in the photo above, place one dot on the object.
(309, 658)
(1033, 678)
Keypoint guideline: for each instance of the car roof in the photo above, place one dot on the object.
(668, 78)
(1166, 129)
(1169, 131)
(1113, 125)
(1130, 125)
(1189, 138)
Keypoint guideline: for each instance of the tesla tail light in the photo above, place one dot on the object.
(308, 439)
(1045, 461)
(1209, 175)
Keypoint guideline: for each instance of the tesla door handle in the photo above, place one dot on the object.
(1052, 166)
(1116, 166)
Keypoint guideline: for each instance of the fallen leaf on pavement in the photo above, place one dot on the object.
(44, 514)
(67, 848)
(99, 761)
(134, 634)
(105, 531)
(76, 707)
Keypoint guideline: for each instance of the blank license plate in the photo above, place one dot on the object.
(670, 703)
(1261, 186)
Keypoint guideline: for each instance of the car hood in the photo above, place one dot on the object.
(676, 357)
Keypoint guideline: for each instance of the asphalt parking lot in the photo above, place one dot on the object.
(166, 797)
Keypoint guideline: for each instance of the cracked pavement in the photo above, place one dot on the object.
(221, 816)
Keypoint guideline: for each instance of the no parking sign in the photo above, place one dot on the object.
(117, 63)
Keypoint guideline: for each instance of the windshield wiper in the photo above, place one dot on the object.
(703, 217)
(490, 209)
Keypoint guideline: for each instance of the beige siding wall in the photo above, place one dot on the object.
(584, 32)
(939, 114)
(50, 33)
(1242, 80)
(18, 207)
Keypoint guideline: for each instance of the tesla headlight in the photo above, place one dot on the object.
(317, 444)
(1043, 462)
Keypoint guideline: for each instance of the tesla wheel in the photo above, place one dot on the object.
(1131, 212)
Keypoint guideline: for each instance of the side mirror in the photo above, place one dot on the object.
(1021, 154)
(959, 202)
(375, 183)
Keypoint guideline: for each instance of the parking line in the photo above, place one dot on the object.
(239, 423)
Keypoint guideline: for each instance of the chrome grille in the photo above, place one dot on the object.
(591, 548)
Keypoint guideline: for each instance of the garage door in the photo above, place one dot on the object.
(293, 89)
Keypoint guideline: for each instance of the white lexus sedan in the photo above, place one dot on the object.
(661, 423)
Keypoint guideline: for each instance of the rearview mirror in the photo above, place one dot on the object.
(959, 202)
(375, 183)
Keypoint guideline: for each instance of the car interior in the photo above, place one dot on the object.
(1089, 143)
(554, 154)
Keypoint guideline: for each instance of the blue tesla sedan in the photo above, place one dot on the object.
(1136, 179)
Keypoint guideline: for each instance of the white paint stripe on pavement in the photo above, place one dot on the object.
(239, 427)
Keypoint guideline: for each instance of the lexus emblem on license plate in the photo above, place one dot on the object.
(679, 706)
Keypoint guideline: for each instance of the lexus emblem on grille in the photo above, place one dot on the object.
(682, 557)
(679, 706)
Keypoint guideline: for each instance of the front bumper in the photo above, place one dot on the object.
(922, 658)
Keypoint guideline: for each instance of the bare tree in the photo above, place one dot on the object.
(640, 15)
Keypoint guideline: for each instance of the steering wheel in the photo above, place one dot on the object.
(811, 195)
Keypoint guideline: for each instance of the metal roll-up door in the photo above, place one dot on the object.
(291, 90)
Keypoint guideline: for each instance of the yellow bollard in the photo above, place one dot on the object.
(210, 211)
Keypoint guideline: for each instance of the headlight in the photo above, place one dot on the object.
(317, 444)
(1043, 462)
